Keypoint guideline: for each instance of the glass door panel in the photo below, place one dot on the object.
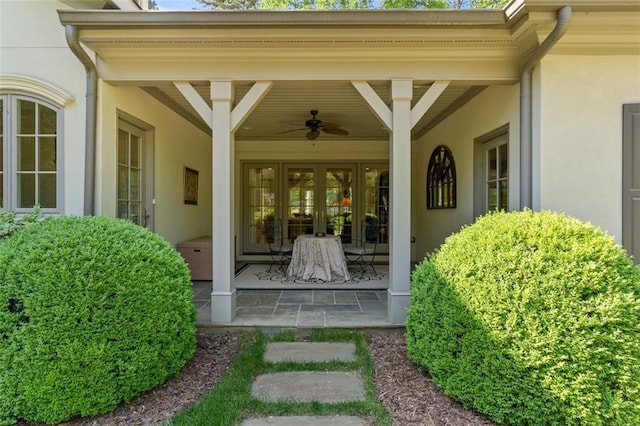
(129, 184)
(301, 198)
(310, 198)
(261, 183)
(497, 179)
(338, 200)
(376, 203)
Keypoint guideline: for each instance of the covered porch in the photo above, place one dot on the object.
(244, 79)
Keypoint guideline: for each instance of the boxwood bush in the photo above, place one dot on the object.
(93, 311)
(10, 223)
(531, 318)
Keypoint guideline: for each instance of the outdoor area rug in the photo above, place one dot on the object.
(258, 276)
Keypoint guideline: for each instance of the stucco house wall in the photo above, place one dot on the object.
(581, 135)
(577, 145)
(492, 108)
(34, 27)
(177, 144)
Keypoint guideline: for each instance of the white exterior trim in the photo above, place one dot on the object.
(223, 293)
(191, 95)
(427, 101)
(400, 176)
(248, 103)
(35, 87)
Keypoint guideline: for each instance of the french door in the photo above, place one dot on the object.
(305, 198)
(319, 199)
(133, 186)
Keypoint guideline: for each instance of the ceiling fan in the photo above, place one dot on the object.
(315, 126)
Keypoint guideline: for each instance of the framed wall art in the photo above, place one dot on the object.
(190, 186)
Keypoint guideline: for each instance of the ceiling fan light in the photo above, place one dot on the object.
(313, 134)
(314, 126)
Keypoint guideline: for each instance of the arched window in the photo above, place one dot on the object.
(31, 144)
(441, 179)
(30, 150)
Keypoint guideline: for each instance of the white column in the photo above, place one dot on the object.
(400, 215)
(223, 295)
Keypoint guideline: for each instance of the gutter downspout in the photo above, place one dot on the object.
(71, 34)
(526, 126)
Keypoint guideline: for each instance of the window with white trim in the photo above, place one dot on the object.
(491, 164)
(497, 175)
(30, 149)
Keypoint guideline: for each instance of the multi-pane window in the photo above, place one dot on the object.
(497, 179)
(29, 148)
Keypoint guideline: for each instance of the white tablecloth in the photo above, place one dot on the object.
(318, 258)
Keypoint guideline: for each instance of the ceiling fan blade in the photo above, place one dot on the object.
(330, 125)
(313, 134)
(292, 130)
(335, 131)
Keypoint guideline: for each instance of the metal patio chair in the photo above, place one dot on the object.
(363, 252)
(279, 251)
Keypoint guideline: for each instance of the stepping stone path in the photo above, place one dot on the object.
(307, 386)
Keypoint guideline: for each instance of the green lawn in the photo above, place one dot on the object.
(230, 401)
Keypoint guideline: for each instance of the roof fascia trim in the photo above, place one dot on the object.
(94, 19)
(126, 4)
(583, 5)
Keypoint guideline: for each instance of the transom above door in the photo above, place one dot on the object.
(306, 198)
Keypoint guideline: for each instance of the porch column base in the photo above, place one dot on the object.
(397, 304)
(223, 307)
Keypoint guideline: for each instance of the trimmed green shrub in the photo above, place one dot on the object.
(10, 223)
(532, 319)
(93, 311)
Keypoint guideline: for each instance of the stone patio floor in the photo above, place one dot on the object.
(299, 308)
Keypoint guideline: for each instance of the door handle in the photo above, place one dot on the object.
(145, 218)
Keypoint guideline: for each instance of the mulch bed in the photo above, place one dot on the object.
(409, 395)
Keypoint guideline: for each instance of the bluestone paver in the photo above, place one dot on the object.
(310, 352)
(308, 386)
(306, 421)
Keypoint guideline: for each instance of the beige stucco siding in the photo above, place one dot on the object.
(491, 109)
(177, 144)
(581, 135)
(33, 46)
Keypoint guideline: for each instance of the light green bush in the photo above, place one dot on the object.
(532, 319)
(10, 223)
(93, 311)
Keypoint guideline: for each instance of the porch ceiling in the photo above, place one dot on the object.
(286, 107)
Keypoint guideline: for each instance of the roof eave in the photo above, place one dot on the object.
(94, 19)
